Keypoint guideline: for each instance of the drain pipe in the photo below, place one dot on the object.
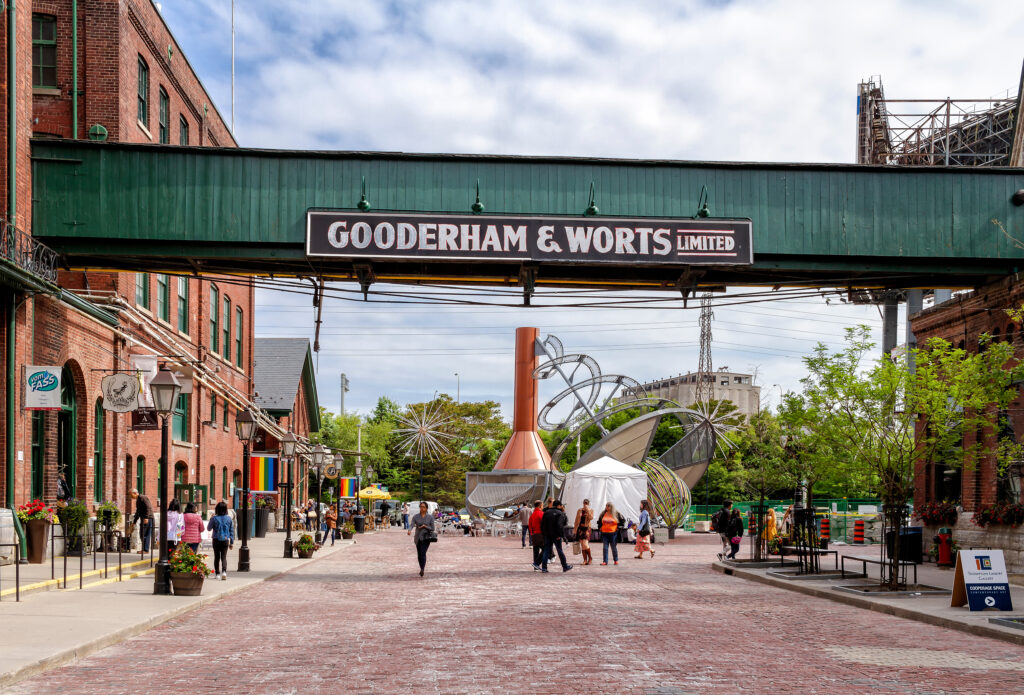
(12, 206)
(74, 69)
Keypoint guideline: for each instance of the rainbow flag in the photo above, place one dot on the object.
(261, 473)
(347, 487)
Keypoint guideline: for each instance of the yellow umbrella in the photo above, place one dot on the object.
(373, 493)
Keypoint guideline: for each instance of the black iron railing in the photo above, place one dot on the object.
(26, 253)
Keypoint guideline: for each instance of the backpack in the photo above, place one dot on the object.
(718, 523)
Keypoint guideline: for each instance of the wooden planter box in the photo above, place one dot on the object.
(304, 554)
(187, 584)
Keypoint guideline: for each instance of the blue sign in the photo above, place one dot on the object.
(981, 581)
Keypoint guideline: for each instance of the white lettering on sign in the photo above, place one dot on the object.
(509, 238)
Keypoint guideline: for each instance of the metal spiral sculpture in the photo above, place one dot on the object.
(591, 398)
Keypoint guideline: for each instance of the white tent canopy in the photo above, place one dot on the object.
(605, 480)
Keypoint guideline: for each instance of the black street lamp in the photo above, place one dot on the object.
(165, 390)
(288, 441)
(318, 455)
(359, 481)
(339, 461)
(245, 426)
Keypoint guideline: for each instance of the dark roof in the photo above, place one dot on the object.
(281, 364)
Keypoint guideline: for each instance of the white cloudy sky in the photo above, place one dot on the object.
(756, 81)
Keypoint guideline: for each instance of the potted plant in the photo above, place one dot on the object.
(305, 546)
(936, 513)
(108, 516)
(36, 517)
(348, 530)
(188, 571)
(73, 518)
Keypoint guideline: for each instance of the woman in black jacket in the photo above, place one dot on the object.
(735, 533)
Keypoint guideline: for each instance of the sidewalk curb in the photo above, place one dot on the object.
(859, 602)
(10, 678)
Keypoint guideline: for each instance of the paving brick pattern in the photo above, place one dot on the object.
(482, 621)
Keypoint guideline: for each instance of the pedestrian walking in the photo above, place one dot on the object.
(310, 515)
(192, 529)
(524, 513)
(735, 532)
(552, 526)
(385, 514)
(223, 532)
(423, 526)
(643, 531)
(144, 518)
(331, 519)
(609, 523)
(405, 515)
(720, 524)
(536, 538)
(175, 524)
(581, 528)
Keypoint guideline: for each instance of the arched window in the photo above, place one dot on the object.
(99, 463)
(236, 479)
(140, 475)
(224, 483)
(214, 316)
(181, 472)
(212, 494)
(67, 431)
(238, 335)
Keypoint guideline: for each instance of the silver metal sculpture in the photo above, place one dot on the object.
(591, 398)
(423, 435)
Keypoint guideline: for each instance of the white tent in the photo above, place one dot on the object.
(605, 480)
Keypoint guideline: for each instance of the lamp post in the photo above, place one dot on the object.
(319, 453)
(339, 461)
(359, 481)
(165, 390)
(458, 388)
(245, 427)
(288, 441)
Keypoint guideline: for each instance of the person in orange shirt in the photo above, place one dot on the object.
(536, 537)
(609, 523)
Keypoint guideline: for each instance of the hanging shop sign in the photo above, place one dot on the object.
(145, 419)
(631, 241)
(42, 388)
(120, 392)
(981, 581)
(330, 471)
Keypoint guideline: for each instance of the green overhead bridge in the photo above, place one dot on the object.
(205, 210)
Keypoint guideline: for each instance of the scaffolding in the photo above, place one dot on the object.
(933, 132)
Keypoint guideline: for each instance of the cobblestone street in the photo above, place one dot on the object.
(481, 621)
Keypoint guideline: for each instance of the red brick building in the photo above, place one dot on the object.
(134, 84)
(962, 321)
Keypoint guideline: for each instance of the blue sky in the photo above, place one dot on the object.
(733, 81)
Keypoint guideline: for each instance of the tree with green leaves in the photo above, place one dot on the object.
(890, 418)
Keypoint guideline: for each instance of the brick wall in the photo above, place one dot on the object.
(111, 36)
(962, 321)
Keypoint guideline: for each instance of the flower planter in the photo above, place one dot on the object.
(346, 535)
(304, 554)
(187, 583)
(37, 532)
(262, 517)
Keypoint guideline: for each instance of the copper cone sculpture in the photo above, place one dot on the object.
(525, 451)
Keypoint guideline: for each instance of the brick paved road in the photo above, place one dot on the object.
(483, 622)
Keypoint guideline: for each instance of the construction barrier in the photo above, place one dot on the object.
(826, 529)
(752, 524)
(858, 531)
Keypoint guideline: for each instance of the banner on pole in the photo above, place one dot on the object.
(262, 468)
(347, 487)
(42, 388)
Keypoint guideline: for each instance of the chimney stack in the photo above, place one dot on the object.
(525, 450)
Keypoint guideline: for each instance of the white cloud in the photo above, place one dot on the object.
(752, 81)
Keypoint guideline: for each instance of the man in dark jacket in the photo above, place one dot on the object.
(144, 517)
(720, 523)
(552, 525)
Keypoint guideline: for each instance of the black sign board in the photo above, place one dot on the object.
(145, 419)
(637, 241)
